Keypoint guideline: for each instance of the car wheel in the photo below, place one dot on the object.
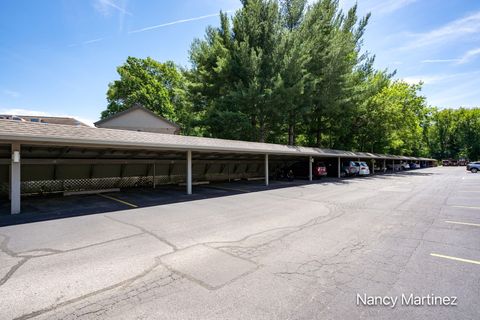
(474, 170)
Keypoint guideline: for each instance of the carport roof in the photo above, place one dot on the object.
(38, 133)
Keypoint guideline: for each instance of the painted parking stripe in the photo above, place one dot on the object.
(454, 258)
(464, 223)
(118, 200)
(466, 207)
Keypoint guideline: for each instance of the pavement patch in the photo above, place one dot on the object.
(211, 268)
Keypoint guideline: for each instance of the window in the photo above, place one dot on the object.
(34, 120)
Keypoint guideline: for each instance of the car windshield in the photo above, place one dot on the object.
(363, 164)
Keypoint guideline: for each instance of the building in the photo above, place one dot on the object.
(40, 159)
(43, 119)
(139, 118)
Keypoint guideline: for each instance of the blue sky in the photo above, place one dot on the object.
(57, 57)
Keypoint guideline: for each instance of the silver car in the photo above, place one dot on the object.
(473, 167)
(363, 169)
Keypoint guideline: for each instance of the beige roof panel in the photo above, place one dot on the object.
(30, 132)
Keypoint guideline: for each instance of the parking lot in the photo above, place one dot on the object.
(240, 250)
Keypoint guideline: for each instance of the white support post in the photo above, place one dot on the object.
(154, 182)
(310, 173)
(266, 170)
(189, 172)
(15, 179)
(339, 167)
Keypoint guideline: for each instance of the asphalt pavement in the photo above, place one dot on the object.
(396, 246)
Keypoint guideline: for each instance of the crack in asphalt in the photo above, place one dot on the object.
(24, 258)
(165, 241)
(307, 268)
(90, 294)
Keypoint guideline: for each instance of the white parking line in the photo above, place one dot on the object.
(118, 200)
(466, 207)
(464, 223)
(454, 258)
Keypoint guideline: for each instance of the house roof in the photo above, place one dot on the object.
(54, 120)
(30, 132)
(135, 107)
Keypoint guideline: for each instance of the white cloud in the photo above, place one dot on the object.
(426, 79)
(11, 93)
(376, 7)
(29, 112)
(463, 93)
(436, 78)
(176, 22)
(85, 42)
(466, 57)
(389, 6)
(469, 55)
(439, 60)
(106, 6)
(454, 30)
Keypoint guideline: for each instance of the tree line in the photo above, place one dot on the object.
(293, 73)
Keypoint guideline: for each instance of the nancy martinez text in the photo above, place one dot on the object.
(406, 300)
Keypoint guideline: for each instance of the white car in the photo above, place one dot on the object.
(404, 166)
(364, 170)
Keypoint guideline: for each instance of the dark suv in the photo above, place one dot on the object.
(474, 167)
(300, 169)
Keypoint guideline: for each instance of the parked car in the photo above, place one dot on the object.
(473, 167)
(414, 165)
(349, 168)
(398, 166)
(363, 169)
(300, 169)
(283, 173)
(404, 166)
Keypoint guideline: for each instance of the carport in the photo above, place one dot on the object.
(37, 158)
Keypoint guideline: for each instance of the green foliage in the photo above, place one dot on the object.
(159, 87)
(455, 133)
(288, 72)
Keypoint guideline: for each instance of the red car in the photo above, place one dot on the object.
(300, 169)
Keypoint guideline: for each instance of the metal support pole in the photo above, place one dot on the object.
(393, 165)
(338, 167)
(266, 170)
(154, 182)
(373, 166)
(384, 165)
(189, 172)
(310, 173)
(15, 179)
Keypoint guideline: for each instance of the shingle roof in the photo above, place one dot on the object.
(53, 120)
(29, 132)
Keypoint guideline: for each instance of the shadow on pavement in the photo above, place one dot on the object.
(49, 207)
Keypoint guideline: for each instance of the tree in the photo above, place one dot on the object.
(159, 87)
